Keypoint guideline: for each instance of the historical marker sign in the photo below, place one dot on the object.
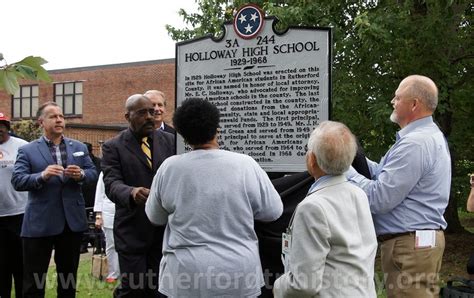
(271, 88)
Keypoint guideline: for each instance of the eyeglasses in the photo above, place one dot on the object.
(145, 112)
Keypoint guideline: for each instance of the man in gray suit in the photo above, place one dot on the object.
(129, 162)
(52, 170)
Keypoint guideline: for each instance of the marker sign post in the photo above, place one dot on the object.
(271, 88)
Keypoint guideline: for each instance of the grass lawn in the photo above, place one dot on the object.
(456, 254)
(458, 249)
(87, 286)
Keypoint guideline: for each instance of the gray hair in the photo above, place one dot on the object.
(156, 93)
(40, 111)
(334, 147)
(424, 89)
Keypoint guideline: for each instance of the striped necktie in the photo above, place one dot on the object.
(146, 149)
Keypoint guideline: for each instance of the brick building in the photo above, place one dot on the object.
(93, 98)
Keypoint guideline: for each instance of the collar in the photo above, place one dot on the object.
(9, 137)
(139, 138)
(318, 182)
(325, 181)
(414, 125)
(50, 143)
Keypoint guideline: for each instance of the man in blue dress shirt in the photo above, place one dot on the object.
(409, 192)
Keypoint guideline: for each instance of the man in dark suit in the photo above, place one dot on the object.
(128, 174)
(88, 191)
(52, 169)
(159, 104)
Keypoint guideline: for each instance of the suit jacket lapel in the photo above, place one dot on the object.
(69, 156)
(69, 152)
(160, 152)
(44, 150)
(157, 150)
(133, 146)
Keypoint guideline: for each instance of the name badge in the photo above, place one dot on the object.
(425, 239)
(285, 250)
(285, 243)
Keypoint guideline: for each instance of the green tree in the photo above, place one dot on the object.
(27, 130)
(376, 45)
(28, 68)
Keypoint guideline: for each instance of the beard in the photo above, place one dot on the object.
(394, 117)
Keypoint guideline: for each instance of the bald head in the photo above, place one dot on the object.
(423, 88)
(415, 98)
(133, 100)
(140, 114)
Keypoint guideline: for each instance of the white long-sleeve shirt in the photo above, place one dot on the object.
(103, 204)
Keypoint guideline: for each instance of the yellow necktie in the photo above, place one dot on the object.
(147, 151)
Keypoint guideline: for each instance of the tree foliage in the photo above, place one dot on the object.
(376, 44)
(28, 68)
(27, 130)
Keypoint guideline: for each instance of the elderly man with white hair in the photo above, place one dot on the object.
(331, 243)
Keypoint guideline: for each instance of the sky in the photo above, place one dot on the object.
(82, 33)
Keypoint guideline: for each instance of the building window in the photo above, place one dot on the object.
(69, 97)
(25, 102)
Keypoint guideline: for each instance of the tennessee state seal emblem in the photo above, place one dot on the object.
(248, 21)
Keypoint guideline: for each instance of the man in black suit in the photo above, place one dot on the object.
(129, 166)
(88, 190)
(159, 104)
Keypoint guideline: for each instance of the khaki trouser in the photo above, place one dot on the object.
(410, 272)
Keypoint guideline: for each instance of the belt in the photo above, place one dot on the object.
(385, 237)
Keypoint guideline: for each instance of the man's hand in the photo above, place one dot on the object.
(140, 195)
(73, 172)
(98, 220)
(52, 170)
